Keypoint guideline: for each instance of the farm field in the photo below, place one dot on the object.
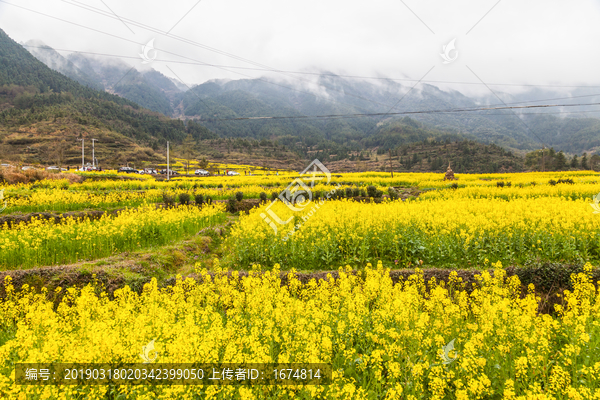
(410, 287)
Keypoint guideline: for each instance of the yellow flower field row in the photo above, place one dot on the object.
(421, 180)
(382, 340)
(571, 191)
(179, 183)
(363, 179)
(440, 232)
(43, 242)
(62, 200)
(68, 200)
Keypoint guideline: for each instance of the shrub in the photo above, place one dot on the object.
(454, 185)
(184, 199)
(356, 192)
(239, 196)
(274, 196)
(220, 185)
(209, 200)
(199, 198)
(168, 199)
(232, 204)
(378, 194)
(263, 196)
(348, 192)
(552, 182)
(363, 193)
(569, 181)
(500, 184)
(393, 193)
(371, 191)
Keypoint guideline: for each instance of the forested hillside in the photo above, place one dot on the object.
(40, 108)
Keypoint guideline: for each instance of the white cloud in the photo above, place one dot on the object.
(534, 42)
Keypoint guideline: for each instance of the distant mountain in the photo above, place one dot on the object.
(217, 104)
(43, 112)
(57, 62)
(337, 96)
(150, 89)
(213, 101)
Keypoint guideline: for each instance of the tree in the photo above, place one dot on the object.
(534, 159)
(203, 164)
(187, 151)
(560, 161)
(594, 161)
(59, 153)
(574, 162)
(584, 161)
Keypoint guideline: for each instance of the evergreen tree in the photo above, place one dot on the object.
(560, 161)
(574, 162)
(594, 161)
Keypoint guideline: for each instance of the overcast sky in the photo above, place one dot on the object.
(508, 41)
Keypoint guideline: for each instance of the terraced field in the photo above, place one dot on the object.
(409, 287)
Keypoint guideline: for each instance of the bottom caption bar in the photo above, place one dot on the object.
(172, 374)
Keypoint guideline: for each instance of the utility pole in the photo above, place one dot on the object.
(391, 168)
(168, 161)
(82, 153)
(93, 153)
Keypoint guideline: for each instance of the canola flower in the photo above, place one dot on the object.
(62, 200)
(383, 339)
(571, 191)
(273, 183)
(440, 232)
(43, 242)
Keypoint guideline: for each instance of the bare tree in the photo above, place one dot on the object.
(186, 150)
(58, 154)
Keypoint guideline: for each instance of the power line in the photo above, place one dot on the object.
(358, 115)
(178, 55)
(401, 98)
(499, 98)
(546, 113)
(203, 64)
(229, 66)
(433, 111)
(274, 70)
(270, 69)
(199, 98)
(265, 68)
(215, 50)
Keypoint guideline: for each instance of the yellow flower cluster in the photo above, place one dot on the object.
(383, 339)
(257, 184)
(44, 242)
(570, 191)
(440, 232)
(69, 200)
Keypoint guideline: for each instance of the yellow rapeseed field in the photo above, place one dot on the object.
(44, 242)
(454, 231)
(383, 340)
